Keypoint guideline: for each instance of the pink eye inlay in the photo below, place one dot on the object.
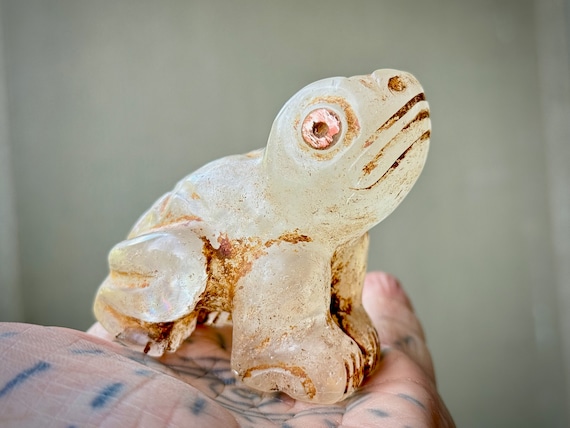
(321, 128)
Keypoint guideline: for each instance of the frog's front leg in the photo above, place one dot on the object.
(348, 272)
(284, 337)
(154, 283)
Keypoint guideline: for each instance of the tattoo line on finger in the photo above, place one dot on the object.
(251, 410)
(379, 413)
(24, 375)
(404, 342)
(79, 351)
(412, 400)
(106, 395)
(222, 375)
(356, 399)
(144, 372)
(360, 398)
(198, 406)
(330, 424)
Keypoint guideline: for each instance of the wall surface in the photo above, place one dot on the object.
(553, 37)
(10, 291)
(111, 102)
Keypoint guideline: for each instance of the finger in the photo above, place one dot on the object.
(207, 349)
(212, 341)
(98, 330)
(56, 374)
(388, 306)
(401, 391)
(392, 314)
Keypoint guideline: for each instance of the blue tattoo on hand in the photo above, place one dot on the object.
(23, 376)
(106, 394)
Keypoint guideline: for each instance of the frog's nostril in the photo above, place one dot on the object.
(396, 84)
(394, 80)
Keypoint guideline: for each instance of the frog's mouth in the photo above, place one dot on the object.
(401, 139)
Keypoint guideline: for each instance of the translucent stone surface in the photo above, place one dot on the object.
(276, 240)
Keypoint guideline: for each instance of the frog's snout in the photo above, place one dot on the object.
(399, 142)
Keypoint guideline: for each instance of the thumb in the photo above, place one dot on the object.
(391, 312)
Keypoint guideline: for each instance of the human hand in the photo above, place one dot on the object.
(56, 376)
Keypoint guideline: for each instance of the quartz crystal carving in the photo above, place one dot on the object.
(275, 240)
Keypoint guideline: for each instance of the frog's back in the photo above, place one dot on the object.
(226, 191)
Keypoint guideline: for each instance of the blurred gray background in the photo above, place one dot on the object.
(104, 105)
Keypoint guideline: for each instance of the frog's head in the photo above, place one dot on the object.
(346, 151)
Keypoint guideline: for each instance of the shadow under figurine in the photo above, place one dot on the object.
(276, 240)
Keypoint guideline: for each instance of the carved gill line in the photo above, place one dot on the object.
(371, 165)
(425, 136)
(423, 114)
(395, 117)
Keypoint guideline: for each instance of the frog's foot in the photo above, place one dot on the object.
(154, 283)
(319, 366)
(151, 338)
(349, 272)
(359, 327)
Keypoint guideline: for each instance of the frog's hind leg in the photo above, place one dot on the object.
(284, 338)
(348, 268)
(155, 281)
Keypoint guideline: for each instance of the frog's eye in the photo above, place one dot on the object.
(321, 128)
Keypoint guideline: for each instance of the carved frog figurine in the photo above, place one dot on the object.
(276, 240)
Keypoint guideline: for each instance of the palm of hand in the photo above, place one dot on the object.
(112, 385)
(391, 397)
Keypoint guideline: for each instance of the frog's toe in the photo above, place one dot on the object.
(295, 382)
(323, 382)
